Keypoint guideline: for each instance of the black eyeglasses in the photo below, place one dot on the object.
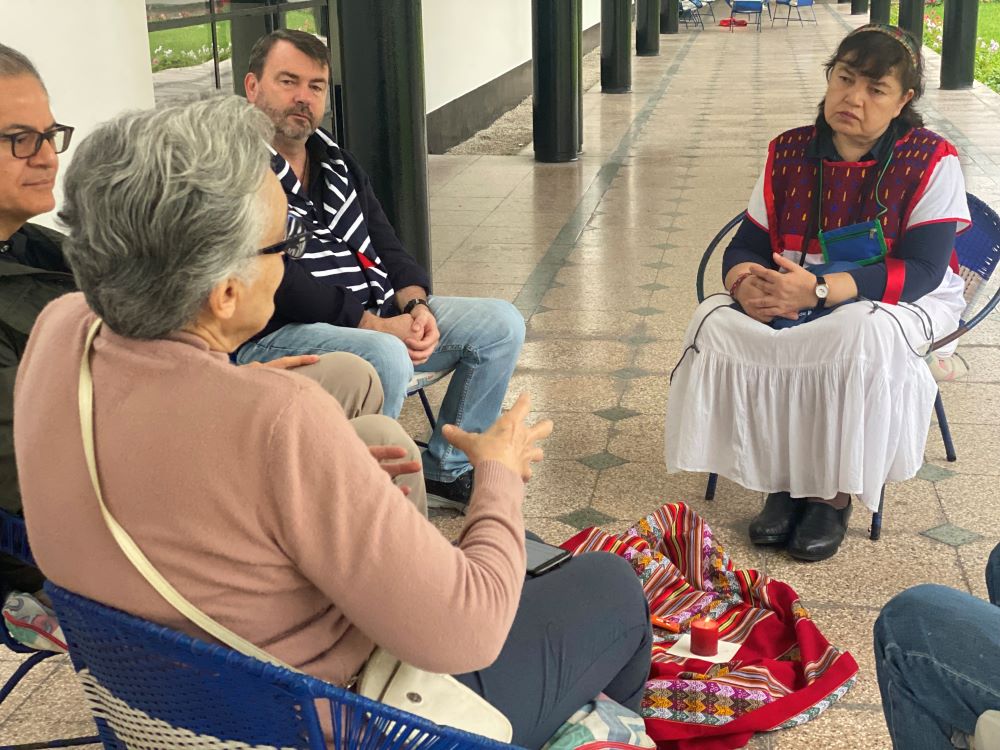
(294, 244)
(26, 143)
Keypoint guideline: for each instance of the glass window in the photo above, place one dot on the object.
(171, 10)
(183, 61)
(192, 43)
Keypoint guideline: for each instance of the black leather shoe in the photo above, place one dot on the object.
(775, 523)
(820, 532)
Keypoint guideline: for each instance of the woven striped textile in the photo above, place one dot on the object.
(785, 672)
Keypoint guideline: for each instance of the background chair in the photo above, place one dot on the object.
(152, 687)
(798, 5)
(752, 8)
(690, 13)
(14, 542)
(978, 250)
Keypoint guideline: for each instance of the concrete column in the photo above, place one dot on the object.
(382, 59)
(958, 47)
(556, 121)
(616, 46)
(647, 28)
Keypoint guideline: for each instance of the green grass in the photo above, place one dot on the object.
(987, 46)
(192, 45)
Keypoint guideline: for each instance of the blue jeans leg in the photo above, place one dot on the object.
(482, 339)
(386, 353)
(935, 685)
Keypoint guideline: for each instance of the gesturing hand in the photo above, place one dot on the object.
(511, 440)
(388, 458)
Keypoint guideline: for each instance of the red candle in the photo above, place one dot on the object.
(704, 637)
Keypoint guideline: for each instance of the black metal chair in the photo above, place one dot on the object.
(978, 250)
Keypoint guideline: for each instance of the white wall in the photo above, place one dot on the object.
(467, 44)
(92, 54)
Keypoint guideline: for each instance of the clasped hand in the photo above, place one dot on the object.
(767, 294)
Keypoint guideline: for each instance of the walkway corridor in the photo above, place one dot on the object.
(600, 256)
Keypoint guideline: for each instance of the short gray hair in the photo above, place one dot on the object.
(13, 63)
(161, 206)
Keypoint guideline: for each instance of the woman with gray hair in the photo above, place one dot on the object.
(246, 488)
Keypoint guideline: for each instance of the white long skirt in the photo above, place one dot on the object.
(839, 404)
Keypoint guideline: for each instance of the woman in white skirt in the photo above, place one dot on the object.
(784, 387)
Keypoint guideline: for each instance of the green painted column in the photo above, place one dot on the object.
(382, 64)
(555, 41)
(879, 12)
(647, 28)
(858, 7)
(616, 46)
(579, 74)
(670, 13)
(958, 46)
(911, 17)
(244, 31)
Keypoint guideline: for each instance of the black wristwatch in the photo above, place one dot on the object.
(822, 292)
(413, 303)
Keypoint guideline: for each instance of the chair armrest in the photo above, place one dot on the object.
(967, 326)
(700, 279)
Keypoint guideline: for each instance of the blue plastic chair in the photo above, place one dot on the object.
(798, 5)
(690, 13)
(147, 685)
(14, 542)
(978, 250)
(752, 8)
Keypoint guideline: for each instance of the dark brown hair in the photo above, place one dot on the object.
(876, 50)
(305, 43)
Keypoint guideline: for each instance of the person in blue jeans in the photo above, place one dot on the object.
(355, 288)
(937, 654)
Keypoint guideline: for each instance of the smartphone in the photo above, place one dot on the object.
(543, 557)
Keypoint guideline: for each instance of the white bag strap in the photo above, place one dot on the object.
(128, 545)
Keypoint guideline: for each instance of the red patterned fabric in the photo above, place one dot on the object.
(785, 672)
(848, 191)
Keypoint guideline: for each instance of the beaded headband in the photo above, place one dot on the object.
(896, 33)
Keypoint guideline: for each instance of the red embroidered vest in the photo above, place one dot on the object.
(791, 180)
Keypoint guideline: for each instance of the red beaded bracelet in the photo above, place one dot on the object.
(736, 284)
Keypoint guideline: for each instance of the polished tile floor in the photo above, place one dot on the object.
(600, 256)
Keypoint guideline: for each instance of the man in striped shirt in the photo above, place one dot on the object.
(356, 288)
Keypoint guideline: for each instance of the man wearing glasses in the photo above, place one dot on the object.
(355, 288)
(33, 271)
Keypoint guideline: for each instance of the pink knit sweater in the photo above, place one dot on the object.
(249, 491)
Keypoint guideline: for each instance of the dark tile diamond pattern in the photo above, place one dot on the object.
(628, 373)
(616, 413)
(640, 339)
(954, 536)
(653, 287)
(644, 311)
(601, 461)
(585, 518)
(658, 264)
(933, 473)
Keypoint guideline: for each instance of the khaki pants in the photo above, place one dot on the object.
(356, 385)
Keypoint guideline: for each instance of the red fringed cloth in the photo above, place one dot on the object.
(785, 673)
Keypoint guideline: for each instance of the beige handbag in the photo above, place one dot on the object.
(436, 697)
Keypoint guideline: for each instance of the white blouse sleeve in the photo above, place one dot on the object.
(943, 198)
